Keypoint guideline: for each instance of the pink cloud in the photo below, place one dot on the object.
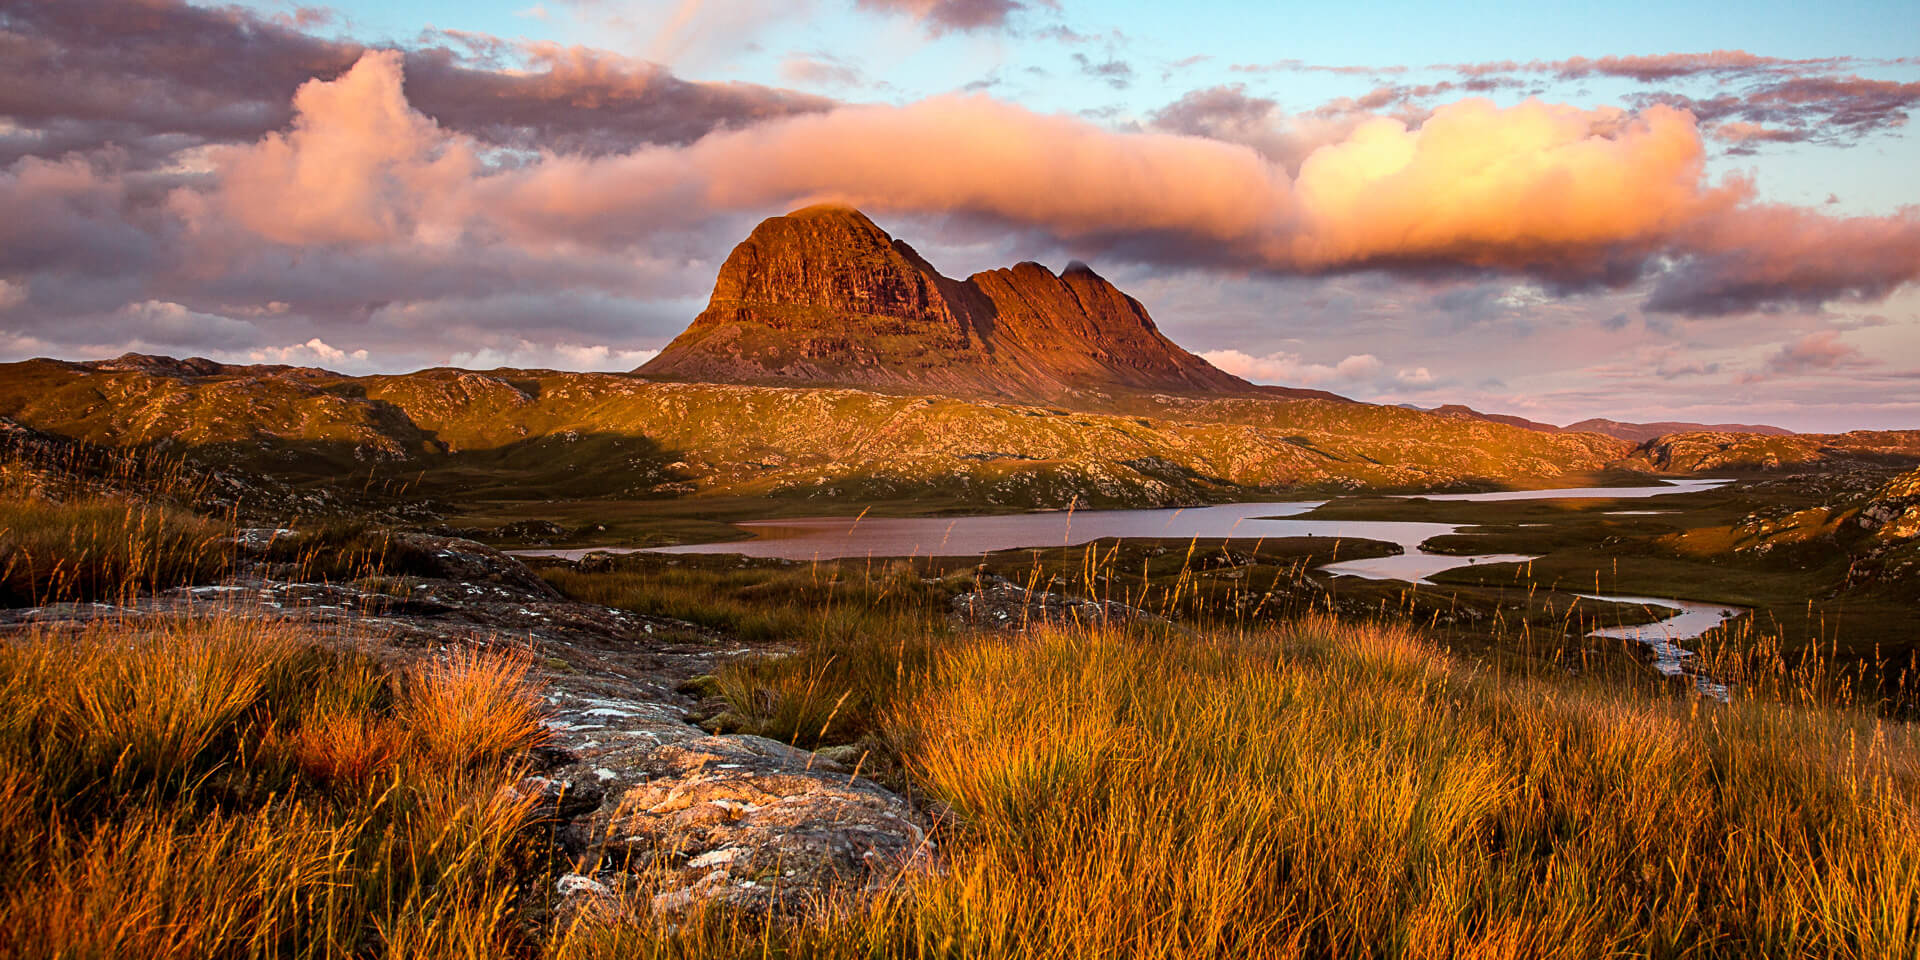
(1816, 352)
(359, 166)
(1553, 190)
(1477, 184)
(1649, 68)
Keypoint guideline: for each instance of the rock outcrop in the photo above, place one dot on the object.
(652, 813)
(825, 296)
(1893, 512)
(1743, 452)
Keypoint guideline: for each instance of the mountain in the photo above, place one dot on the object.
(824, 296)
(1643, 432)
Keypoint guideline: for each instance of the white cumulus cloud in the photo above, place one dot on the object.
(558, 356)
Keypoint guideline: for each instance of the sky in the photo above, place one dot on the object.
(1644, 212)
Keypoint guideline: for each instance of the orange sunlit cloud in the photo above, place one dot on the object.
(1554, 190)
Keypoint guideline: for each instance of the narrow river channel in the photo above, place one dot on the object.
(830, 538)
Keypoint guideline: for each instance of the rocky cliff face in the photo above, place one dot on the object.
(823, 295)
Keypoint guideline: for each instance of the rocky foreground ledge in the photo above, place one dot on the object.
(635, 794)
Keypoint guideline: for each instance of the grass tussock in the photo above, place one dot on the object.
(225, 788)
(1336, 790)
(93, 549)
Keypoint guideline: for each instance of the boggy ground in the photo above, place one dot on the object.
(1792, 547)
(361, 742)
(1306, 787)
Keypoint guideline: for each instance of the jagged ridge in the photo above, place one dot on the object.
(824, 296)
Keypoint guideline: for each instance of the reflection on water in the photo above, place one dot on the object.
(830, 538)
(1416, 565)
(1687, 621)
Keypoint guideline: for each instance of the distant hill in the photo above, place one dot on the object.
(1727, 451)
(1630, 432)
(824, 296)
(1468, 413)
(1643, 432)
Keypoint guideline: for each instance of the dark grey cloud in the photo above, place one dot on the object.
(942, 16)
(1113, 71)
(154, 76)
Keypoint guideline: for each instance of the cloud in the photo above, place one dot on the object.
(1812, 353)
(525, 354)
(1776, 256)
(1229, 114)
(315, 352)
(1742, 134)
(942, 16)
(1773, 99)
(1833, 110)
(821, 70)
(174, 325)
(1302, 66)
(359, 165)
(1283, 367)
(1653, 67)
(86, 73)
(1571, 196)
(1113, 72)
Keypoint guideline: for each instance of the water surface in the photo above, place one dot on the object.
(831, 538)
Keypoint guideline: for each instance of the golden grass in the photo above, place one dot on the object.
(224, 788)
(1333, 790)
(101, 548)
(470, 707)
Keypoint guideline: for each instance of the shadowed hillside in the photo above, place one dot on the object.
(540, 434)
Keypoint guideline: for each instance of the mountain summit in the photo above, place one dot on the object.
(823, 295)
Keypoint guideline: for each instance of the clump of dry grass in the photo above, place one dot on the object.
(470, 708)
(224, 788)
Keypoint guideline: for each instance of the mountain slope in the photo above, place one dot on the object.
(1715, 451)
(512, 434)
(824, 296)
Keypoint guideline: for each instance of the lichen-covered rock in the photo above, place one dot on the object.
(738, 821)
(1893, 513)
(465, 561)
(758, 825)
